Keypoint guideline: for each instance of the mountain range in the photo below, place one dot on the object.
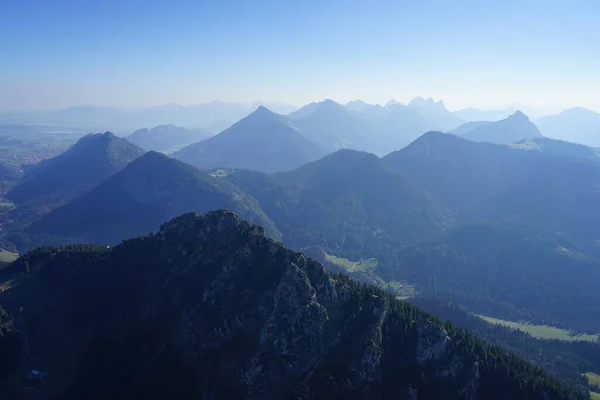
(501, 222)
(166, 138)
(149, 191)
(422, 214)
(574, 125)
(263, 141)
(213, 116)
(208, 307)
(87, 163)
(512, 129)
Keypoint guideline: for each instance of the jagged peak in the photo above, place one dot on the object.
(216, 222)
(423, 102)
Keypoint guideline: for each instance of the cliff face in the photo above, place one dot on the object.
(208, 307)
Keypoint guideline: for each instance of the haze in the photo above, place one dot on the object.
(468, 53)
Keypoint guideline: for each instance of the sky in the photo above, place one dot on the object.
(58, 53)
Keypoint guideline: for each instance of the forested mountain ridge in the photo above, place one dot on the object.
(567, 360)
(149, 191)
(208, 306)
(348, 200)
(88, 162)
(493, 227)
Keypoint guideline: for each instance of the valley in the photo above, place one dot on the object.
(541, 331)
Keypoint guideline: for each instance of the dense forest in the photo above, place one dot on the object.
(210, 295)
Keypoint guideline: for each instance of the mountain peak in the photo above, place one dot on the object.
(206, 225)
(329, 104)
(262, 113)
(262, 141)
(506, 131)
(518, 116)
(88, 162)
(429, 102)
(263, 109)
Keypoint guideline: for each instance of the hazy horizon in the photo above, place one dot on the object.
(469, 54)
(544, 109)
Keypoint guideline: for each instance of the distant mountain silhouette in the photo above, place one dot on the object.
(149, 191)
(213, 116)
(460, 172)
(468, 127)
(439, 118)
(88, 162)
(277, 107)
(332, 126)
(166, 137)
(512, 129)
(263, 141)
(475, 114)
(358, 105)
(305, 110)
(578, 125)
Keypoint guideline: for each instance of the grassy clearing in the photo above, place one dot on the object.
(7, 256)
(593, 379)
(541, 331)
(527, 145)
(594, 396)
(353, 266)
(403, 289)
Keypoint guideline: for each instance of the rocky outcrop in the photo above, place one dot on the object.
(208, 307)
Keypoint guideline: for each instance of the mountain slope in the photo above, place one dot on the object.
(458, 172)
(147, 192)
(558, 147)
(474, 114)
(567, 360)
(210, 308)
(263, 141)
(524, 229)
(165, 138)
(512, 129)
(332, 126)
(574, 125)
(468, 127)
(347, 201)
(88, 162)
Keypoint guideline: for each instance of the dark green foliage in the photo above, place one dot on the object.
(348, 201)
(509, 273)
(5, 323)
(567, 360)
(496, 228)
(209, 307)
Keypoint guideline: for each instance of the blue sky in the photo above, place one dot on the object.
(57, 53)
